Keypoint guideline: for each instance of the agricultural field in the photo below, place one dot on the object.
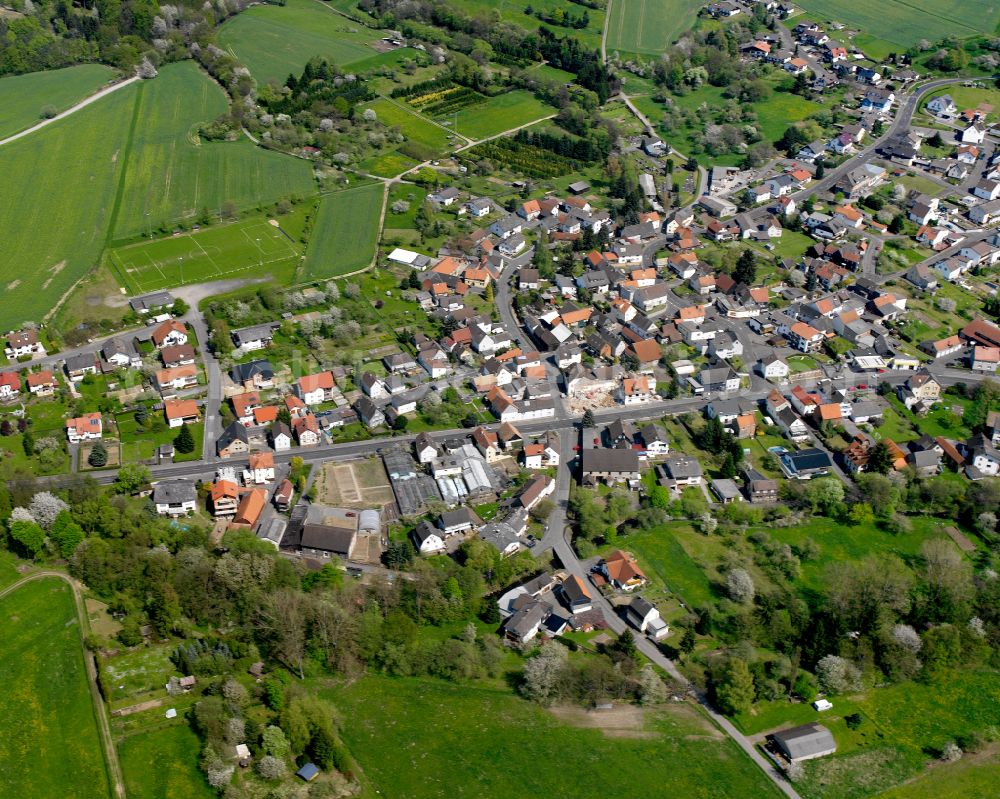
(415, 128)
(387, 165)
(275, 41)
(68, 172)
(162, 762)
(22, 97)
(50, 744)
(257, 244)
(487, 742)
(172, 175)
(501, 113)
(906, 22)
(346, 232)
(648, 26)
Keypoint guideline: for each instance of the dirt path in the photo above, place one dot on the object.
(72, 110)
(107, 742)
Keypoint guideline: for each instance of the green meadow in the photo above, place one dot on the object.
(22, 97)
(50, 745)
(346, 232)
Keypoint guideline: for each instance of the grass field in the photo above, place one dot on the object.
(22, 97)
(387, 165)
(65, 173)
(416, 128)
(661, 554)
(500, 113)
(906, 22)
(346, 232)
(162, 763)
(513, 11)
(172, 175)
(486, 742)
(49, 740)
(964, 97)
(648, 26)
(273, 41)
(209, 254)
(973, 777)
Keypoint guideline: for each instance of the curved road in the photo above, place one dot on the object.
(107, 742)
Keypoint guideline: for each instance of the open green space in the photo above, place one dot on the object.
(253, 245)
(501, 113)
(55, 197)
(413, 126)
(172, 175)
(387, 165)
(274, 41)
(140, 443)
(135, 672)
(484, 741)
(973, 776)
(648, 26)
(906, 22)
(515, 12)
(23, 97)
(346, 232)
(162, 763)
(49, 740)
(661, 555)
(965, 97)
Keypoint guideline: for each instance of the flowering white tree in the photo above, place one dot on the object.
(739, 585)
(907, 637)
(838, 675)
(45, 506)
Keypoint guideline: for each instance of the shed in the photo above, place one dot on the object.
(805, 742)
(308, 772)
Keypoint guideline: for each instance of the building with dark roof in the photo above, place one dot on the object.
(805, 742)
(609, 465)
(805, 464)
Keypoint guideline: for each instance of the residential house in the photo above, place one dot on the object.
(621, 571)
(234, 441)
(315, 389)
(175, 497)
(24, 344)
(169, 334)
(280, 436)
(42, 384)
(180, 412)
(644, 616)
(88, 427)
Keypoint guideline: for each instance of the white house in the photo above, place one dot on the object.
(175, 497)
(260, 468)
(88, 427)
(644, 616)
(772, 368)
(942, 105)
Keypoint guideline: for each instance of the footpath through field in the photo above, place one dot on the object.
(72, 110)
(107, 742)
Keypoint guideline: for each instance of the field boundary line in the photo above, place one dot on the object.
(126, 154)
(111, 763)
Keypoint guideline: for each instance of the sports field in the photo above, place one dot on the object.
(171, 174)
(501, 113)
(273, 41)
(648, 26)
(210, 254)
(344, 237)
(906, 22)
(22, 97)
(49, 740)
(57, 190)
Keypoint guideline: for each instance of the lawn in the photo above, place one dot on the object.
(964, 97)
(172, 175)
(661, 554)
(413, 126)
(210, 254)
(136, 672)
(843, 543)
(140, 443)
(22, 97)
(484, 741)
(68, 172)
(50, 745)
(408, 193)
(274, 41)
(162, 763)
(648, 26)
(501, 113)
(973, 776)
(387, 165)
(906, 22)
(346, 232)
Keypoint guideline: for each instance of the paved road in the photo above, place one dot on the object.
(557, 539)
(100, 709)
